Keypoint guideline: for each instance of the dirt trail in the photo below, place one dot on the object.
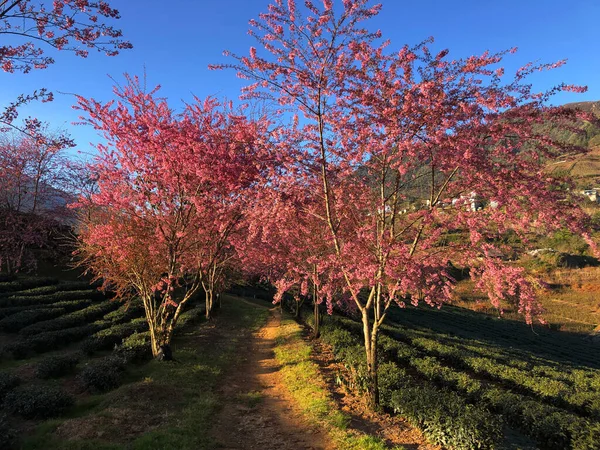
(258, 413)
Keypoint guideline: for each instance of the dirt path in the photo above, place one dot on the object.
(257, 412)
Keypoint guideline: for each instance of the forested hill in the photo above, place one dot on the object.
(584, 168)
(591, 138)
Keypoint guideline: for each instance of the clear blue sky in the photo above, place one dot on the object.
(176, 40)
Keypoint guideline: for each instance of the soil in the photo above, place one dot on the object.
(257, 412)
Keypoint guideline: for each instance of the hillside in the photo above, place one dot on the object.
(583, 168)
(592, 106)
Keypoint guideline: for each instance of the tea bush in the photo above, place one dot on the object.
(108, 338)
(37, 402)
(23, 319)
(56, 366)
(136, 348)
(7, 434)
(8, 382)
(88, 314)
(446, 419)
(51, 340)
(102, 375)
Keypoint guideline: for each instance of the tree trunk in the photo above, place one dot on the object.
(299, 304)
(316, 319)
(316, 315)
(154, 340)
(209, 304)
(370, 336)
(161, 347)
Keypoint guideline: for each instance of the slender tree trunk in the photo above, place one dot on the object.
(299, 304)
(370, 336)
(9, 269)
(209, 304)
(154, 339)
(316, 319)
(316, 314)
(160, 337)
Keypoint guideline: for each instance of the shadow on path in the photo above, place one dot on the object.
(257, 412)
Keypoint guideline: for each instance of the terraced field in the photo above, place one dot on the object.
(473, 381)
(60, 341)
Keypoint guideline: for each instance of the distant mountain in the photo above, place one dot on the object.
(592, 106)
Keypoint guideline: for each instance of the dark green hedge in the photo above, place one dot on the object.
(8, 382)
(25, 300)
(108, 338)
(37, 402)
(51, 340)
(56, 366)
(18, 321)
(444, 416)
(85, 315)
(136, 348)
(103, 375)
(20, 284)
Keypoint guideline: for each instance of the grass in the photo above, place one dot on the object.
(250, 399)
(161, 405)
(306, 385)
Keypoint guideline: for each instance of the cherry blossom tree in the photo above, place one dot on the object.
(29, 27)
(285, 242)
(32, 204)
(403, 142)
(170, 194)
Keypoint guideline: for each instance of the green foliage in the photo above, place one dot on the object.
(391, 378)
(549, 401)
(566, 242)
(585, 137)
(50, 340)
(67, 305)
(56, 366)
(102, 375)
(550, 426)
(444, 416)
(498, 365)
(25, 300)
(587, 438)
(47, 289)
(85, 315)
(22, 319)
(108, 338)
(20, 284)
(446, 419)
(191, 316)
(8, 382)
(126, 312)
(136, 348)
(38, 402)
